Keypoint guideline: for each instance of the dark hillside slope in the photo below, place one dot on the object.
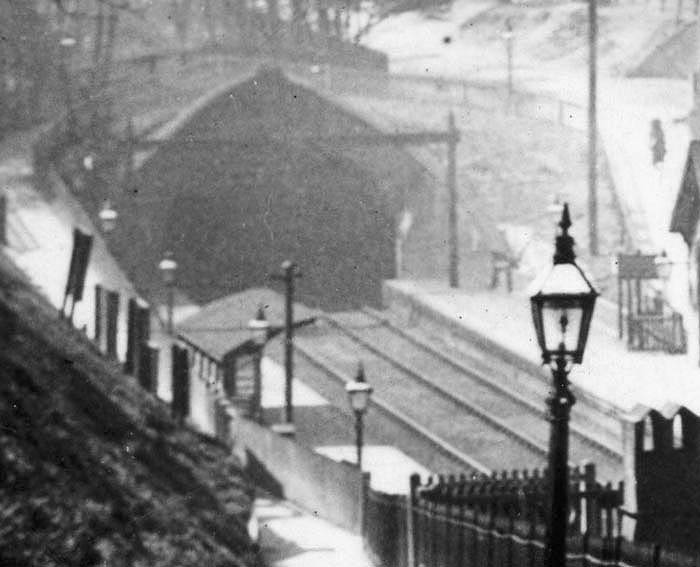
(92, 469)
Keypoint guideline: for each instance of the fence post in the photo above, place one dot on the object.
(364, 491)
(532, 534)
(592, 508)
(511, 542)
(451, 531)
(414, 482)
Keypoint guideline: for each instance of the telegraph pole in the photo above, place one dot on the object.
(592, 129)
(289, 274)
(453, 238)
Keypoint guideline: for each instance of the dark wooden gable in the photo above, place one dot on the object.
(686, 211)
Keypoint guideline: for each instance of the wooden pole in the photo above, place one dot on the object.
(592, 129)
(453, 201)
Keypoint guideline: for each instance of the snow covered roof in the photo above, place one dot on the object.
(222, 325)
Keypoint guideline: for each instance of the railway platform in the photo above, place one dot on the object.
(610, 374)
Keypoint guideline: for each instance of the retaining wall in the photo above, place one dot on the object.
(330, 489)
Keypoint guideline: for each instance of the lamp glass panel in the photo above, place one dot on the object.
(167, 268)
(561, 322)
(109, 223)
(259, 333)
(565, 279)
(359, 399)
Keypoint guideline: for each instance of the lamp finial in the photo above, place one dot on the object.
(564, 246)
(360, 372)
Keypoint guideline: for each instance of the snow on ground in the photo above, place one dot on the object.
(389, 467)
(273, 386)
(551, 57)
(308, 541)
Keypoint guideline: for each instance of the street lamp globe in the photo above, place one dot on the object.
(259, 328)
(562, 301)
(108, 217)
(168, 268)
(359, 391)
(664, 266)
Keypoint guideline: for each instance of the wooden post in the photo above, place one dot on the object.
(453, 236)
(411, 539)
(592, 129)
(592, 508)
(362, 505)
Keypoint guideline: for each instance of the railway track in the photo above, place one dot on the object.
(448, 419)
(591, 422)
(494, 427)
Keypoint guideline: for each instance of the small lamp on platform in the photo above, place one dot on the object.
(108, 217)
(359, 392)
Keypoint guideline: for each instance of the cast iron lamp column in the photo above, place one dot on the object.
(260, 331)
(168, 268)
(562, 308)
(359, 393)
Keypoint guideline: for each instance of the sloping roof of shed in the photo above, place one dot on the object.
(223, 324)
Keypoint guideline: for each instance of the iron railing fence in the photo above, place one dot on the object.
(500, 521)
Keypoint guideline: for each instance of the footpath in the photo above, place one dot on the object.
(289, 537)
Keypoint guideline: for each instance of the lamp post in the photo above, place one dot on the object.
(593, 127)
(359, 392)
(507, 36)
(168, 269)
(108, 217)
(562, 308)
(260, 330)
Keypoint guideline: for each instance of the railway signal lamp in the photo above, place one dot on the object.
(562, 308)
(359, 392)
(108, 217)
